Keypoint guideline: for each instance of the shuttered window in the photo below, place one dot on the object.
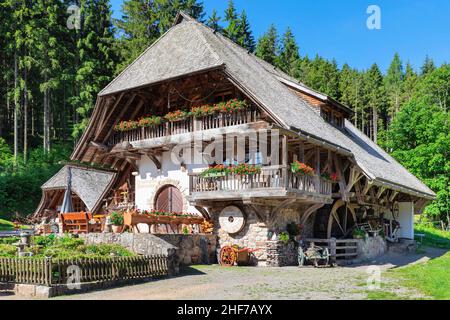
(169, 199)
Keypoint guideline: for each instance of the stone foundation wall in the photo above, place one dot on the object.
(371, 247)
(254, 235)
(180, 249)
(193, 249)
(280, 254)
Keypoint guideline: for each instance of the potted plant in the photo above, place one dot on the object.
(359, 234)
(116, 219)
(284, 237)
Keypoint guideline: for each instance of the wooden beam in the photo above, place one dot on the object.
(354, 177)
(155, 160)
(104, 118)
(102, 148)
(311, 209)
(204, 212)
(393, 195)
(119, 117)
(367, 186)
(310, 154)
(380, 192)
(341, 177)
(302, 152)
(284, 204)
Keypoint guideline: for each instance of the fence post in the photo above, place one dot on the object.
(333, 250)
(48, 271)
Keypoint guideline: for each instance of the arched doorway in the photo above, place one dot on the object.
(169, 199)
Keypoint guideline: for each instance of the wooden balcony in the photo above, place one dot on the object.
(272, 182)
(191, 124)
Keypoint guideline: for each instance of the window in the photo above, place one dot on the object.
(223, 96)
(332, 117)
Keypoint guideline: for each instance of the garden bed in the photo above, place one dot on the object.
(65, 247)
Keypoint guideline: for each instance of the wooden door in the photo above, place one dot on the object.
(169, 199)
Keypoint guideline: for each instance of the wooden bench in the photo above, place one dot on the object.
(75, 222)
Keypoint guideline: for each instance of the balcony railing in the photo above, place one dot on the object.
(187, 125)
(270, 177)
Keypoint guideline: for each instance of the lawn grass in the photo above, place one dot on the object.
(433, 237)
(431, 278)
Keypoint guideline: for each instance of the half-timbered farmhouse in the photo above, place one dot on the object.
(198, 124)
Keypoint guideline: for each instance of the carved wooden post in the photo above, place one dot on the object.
(333, 250)
(284, 160)
(302, 152)
(317, 170)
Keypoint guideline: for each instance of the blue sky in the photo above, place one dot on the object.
(337, 29)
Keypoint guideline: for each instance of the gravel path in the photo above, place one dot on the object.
(214, 282)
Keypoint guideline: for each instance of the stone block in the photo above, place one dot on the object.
(25, 290)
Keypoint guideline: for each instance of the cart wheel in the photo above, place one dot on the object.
(227, 256)
(301, 257)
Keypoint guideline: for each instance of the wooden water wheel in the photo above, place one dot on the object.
(228, 256)
(341, 221)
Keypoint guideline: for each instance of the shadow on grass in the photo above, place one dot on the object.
(434, 237)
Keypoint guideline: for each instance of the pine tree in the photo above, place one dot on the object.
(268, 47)
(214, 21)
(393, 85)
(289, 55)
(375, 98)
(245, 37)
(143, 22)
(428, 66)
(51, 53)
(232, 30)
(323, 76)
(96, 57)
(350, 90)
(409, 84)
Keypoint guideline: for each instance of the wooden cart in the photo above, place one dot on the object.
(313, 253)
(232, 255)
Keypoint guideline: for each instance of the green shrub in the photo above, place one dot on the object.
(44, 240)
(9, 240)
(359, 233)
(7, 251)
(284, 237)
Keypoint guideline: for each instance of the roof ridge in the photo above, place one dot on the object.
(198, 24)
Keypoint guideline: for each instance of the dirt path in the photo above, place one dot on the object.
(214, 282)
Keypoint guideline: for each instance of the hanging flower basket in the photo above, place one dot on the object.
(177, 115)
(301, 168)
(333, 177)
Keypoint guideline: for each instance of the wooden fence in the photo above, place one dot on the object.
(53, 272)
(339, 248)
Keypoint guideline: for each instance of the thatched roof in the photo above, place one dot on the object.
(190, 47)
(89, 184)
